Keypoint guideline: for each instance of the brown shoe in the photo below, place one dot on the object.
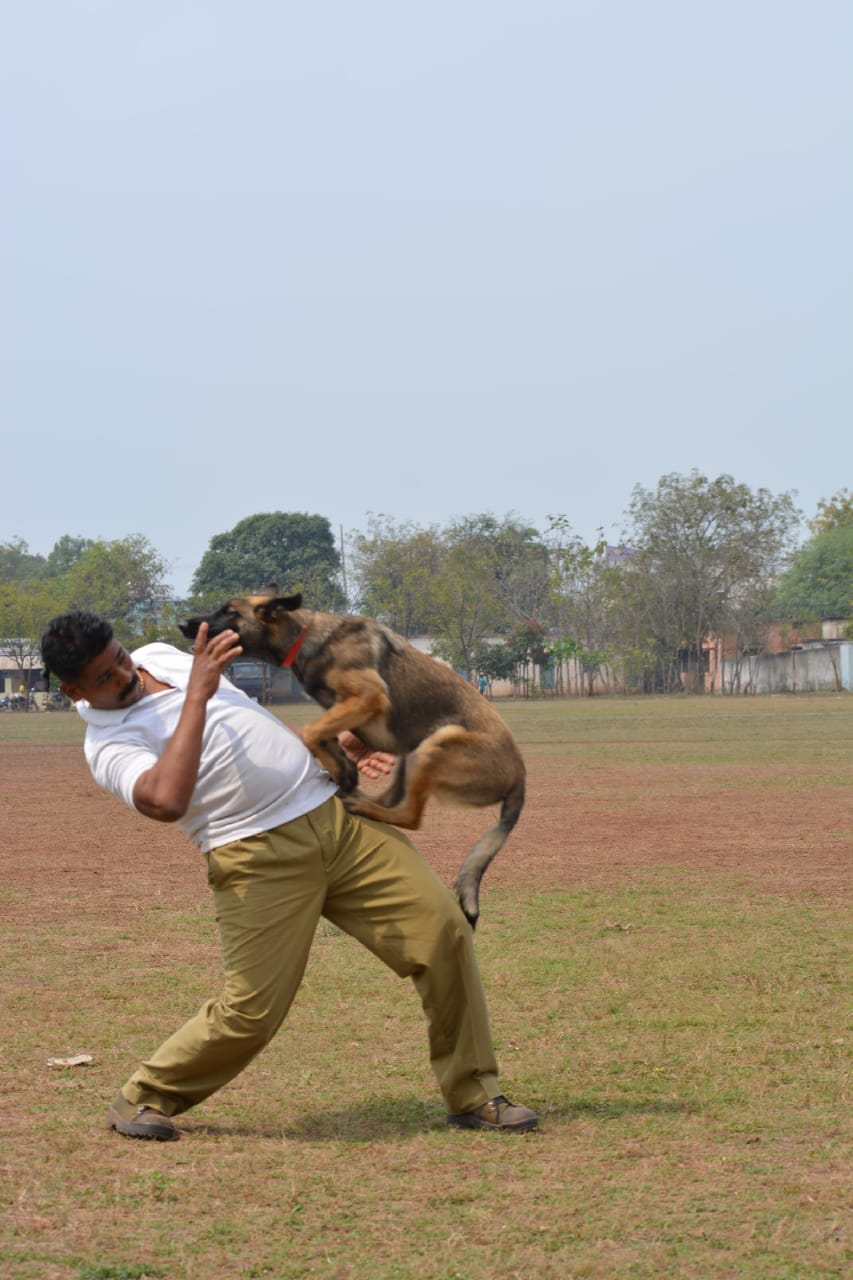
(140, 1122)
(499, 1115)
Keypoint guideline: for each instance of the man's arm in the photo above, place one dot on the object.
(164, 791)
(373, 764)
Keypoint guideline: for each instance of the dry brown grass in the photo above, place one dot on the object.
(666, 944)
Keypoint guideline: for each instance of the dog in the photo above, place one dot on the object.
(449, 740)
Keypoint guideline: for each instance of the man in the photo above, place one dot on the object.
(171, 737)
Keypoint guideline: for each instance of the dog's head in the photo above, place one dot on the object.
(264, 623)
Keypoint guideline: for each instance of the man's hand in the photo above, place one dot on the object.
(373, 764)
(210, 658)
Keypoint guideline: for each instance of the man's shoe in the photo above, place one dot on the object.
(499, 1115)
(140, 1122)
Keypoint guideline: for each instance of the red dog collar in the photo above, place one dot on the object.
(294, 648)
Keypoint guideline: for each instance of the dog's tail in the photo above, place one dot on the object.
(475, 865)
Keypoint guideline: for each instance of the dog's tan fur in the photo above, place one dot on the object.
(450, 741)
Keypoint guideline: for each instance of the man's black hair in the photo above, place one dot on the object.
(71, 642)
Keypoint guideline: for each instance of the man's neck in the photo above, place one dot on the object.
(152, 684)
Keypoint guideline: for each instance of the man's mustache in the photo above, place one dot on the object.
(129, 687)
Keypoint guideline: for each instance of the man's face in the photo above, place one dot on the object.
(109, 682)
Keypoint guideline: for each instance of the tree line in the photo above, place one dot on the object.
(699, 558)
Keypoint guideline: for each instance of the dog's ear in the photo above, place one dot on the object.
(272, 589)
(281, 604)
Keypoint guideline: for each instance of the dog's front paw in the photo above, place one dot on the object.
(347, 778)
(353, 801)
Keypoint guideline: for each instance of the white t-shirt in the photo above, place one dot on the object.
(254, 773)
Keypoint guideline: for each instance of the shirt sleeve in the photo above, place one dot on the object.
(117, 766)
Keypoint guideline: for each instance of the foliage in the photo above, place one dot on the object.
(25, 609)
(527, 647)
(494, 661)
(65, 554)
(700, 560)
(463, 584)
(466, 611)
(492, 571)
(819, 582)
(528, 643)
(835, 513)
(582, 601)
(699, 547)
(121, 581)
(395, 568)
(18, 563)
(293, 549)
(512, 559)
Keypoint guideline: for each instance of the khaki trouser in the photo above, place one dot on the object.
(269, 892)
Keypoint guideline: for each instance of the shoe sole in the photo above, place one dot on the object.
(136, 1129)
(523, 1126)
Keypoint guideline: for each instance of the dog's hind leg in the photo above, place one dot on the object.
(406, 812)
(403, 802)
(394, 792)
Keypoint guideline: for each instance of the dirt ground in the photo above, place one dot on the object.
(694, 1105)
(574, 833)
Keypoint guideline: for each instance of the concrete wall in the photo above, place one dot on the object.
(810, 669)
(571, 673)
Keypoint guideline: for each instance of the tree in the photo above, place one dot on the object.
(472, 580)
(495, 662)
(836, 513)
(581, 600)
(647, 664)
(25, 610)
(65, 553)
(396, 566)
(699, 547)
(466, 611)
(493, 576)
(295, 550)
(512, 555)
(528, 647)
(121, 581)
(18, 563)
(819, 582)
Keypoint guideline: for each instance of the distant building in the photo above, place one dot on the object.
(618, 555)
(11, 677)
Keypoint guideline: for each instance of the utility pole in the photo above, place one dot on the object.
(344, 567)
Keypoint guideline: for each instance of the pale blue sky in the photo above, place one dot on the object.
(419, 259)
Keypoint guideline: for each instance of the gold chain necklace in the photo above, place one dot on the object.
(141, 681)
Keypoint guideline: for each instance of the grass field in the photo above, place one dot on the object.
(666, 944)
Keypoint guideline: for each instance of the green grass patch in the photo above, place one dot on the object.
(688, 1048)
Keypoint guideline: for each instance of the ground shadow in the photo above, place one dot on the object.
(374, 1119)
(390, 1119)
